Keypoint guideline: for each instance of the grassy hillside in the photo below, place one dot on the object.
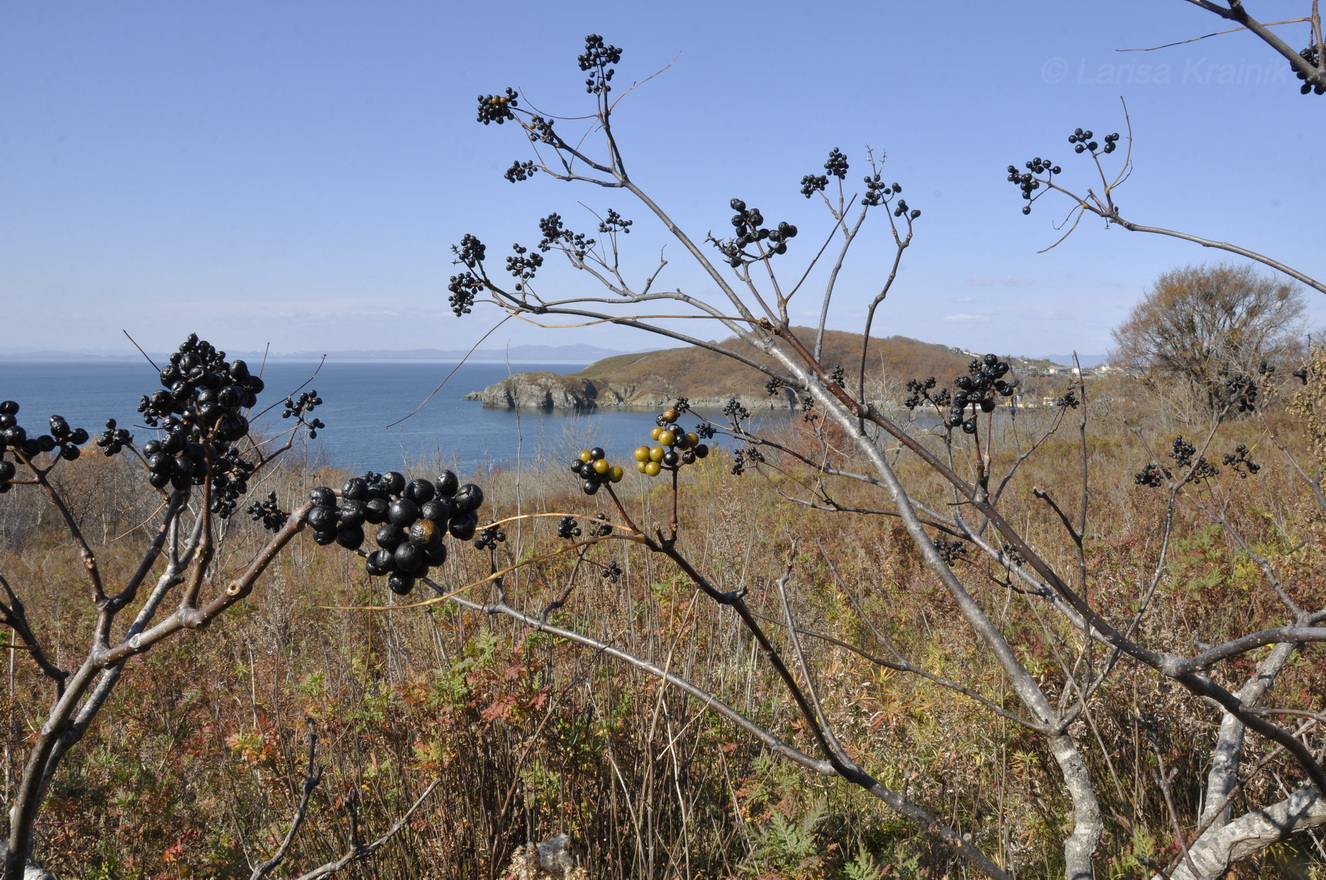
(698, 372)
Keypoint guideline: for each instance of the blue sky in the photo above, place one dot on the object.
(294, 173)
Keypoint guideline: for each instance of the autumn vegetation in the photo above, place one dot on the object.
(197, 766)
(956, 637)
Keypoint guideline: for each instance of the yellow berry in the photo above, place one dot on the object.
(641, 453)
(652, 468)
(667, 438)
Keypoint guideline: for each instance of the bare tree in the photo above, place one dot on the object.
(757, 270)
(1210, 328)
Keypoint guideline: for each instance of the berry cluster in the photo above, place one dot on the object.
(735, 411)
(1184, 454)
(1240, 391)
(918, 392)
(568, 528)
(200, 408)
(741, 456)
(836, 166)
(1312, 55)
(555, 234)
(984, 380)
(497, 108)
(598, 55)
(520, 171)
(490, 536)
(593, 468)
(269, 513)
(1153, 476)
(113, 440)
(466, 286)
(950, 551)
(1027, 181)
(1241, 461)
(1082, 141)
(412, 518)
(750, 229)
(878, 193)
(202, 396)
(523, 265)
(979, 390)
(304, 403)
(613, 223)
(64, 441)
(673, 447)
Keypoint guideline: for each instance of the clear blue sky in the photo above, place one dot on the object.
(294, 173)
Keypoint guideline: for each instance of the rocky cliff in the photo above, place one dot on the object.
(709, 380)
(551, 391)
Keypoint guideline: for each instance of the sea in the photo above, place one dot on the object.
(379, 415)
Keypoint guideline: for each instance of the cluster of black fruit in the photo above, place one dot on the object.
(555, 234)
(599, 527)
(412, 518)
(750, 229)
(569, 528)
(466, 286)
(1241, 461)
(1240, 392)
(979, 390)
(306, 402)
(878, 193)
(522, 265)
(734, 410)
(1312, 56)
(750, 453)
(919, 391)
(672, 447)
(200, 410)
(594, 469)
(64, 441)
(1184, 454)
(14, 437)
(1067, 400)
(1027, 182)
(1082, 141)
(598, 55)
(615, 223)
(836, 166)
(497, 108)
(950, 551)
(520, 171)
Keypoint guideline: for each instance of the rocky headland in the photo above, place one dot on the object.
(709, 380)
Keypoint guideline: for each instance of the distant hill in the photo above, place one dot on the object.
(708, 379)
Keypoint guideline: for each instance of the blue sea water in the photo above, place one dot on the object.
(361, 401)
